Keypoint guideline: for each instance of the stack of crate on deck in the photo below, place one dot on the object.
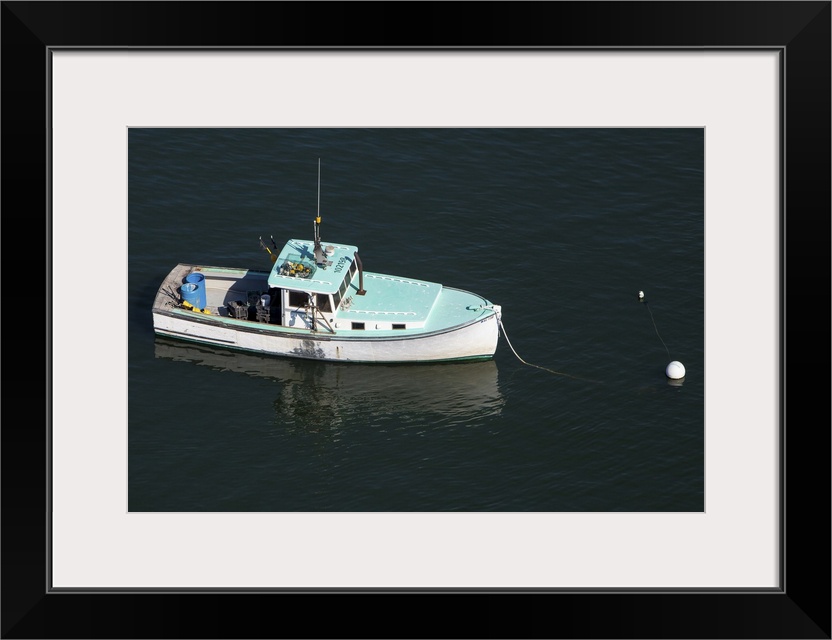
(241, 310)
(264, 311)
(238, 309)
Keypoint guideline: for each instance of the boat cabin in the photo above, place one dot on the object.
(307, 284)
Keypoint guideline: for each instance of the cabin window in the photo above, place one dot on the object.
(398, 326)
(298, 299)
(322, 302)
(357, 325)
(336, 298)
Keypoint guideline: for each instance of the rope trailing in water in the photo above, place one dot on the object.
(557, 373)
(656, 328)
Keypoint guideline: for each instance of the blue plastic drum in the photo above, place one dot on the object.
(199, 280)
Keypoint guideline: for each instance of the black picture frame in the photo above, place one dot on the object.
(800, 608)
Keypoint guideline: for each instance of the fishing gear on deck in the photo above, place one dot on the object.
(171, 294)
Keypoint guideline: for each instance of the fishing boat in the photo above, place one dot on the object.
(317, 302)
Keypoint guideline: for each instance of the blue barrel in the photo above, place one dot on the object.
(190, 293)
(199, 280)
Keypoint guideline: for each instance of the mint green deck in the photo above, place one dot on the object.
(423, 306)
(390, 299)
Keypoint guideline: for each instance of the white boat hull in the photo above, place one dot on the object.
(475, 340)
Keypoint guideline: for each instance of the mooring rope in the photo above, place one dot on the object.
(557, 373)
(656, 328)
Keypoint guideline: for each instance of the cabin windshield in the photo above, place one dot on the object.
(297, 299)
(322, 302)
(347, 281)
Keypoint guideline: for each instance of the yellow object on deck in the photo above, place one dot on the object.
(188, 305)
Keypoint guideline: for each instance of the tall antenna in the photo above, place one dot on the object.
(320, 256)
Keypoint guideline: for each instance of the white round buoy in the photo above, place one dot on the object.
(640, 296)
(675, 370)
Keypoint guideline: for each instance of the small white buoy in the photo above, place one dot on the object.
(675, 370)
(641, 296)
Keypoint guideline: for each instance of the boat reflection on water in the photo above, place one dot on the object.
(320, 396)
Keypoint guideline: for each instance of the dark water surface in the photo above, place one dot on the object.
(562, 227)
